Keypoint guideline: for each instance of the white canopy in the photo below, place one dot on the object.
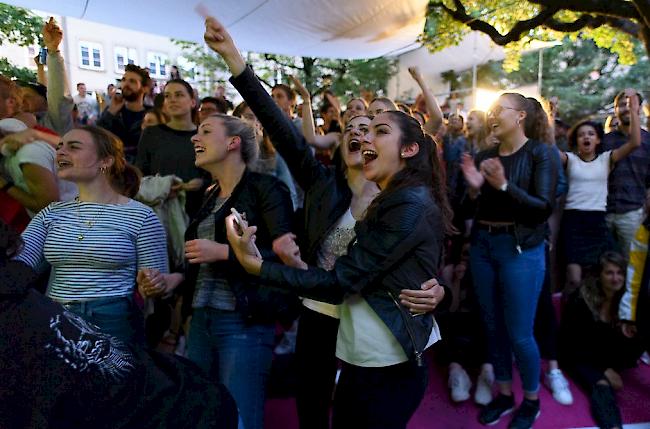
(317, 28)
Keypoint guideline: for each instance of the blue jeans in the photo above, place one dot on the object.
(117, 316)
(507, 286)
(235, 353)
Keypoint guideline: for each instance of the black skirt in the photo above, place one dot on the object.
(584, 236)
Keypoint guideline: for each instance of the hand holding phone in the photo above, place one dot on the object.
(240, 223)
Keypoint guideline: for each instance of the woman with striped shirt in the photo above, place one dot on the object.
(99, 243)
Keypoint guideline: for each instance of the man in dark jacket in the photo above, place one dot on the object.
(124, 116)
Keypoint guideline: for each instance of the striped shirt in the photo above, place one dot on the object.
(95, 250)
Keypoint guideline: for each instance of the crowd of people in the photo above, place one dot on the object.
(387, 236)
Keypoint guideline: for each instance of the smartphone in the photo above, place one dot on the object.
(239, 221)
(239, 226)
(42, 56)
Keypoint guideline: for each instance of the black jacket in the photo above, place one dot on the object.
(267, 204)
(397, 248)
(327, 195)
(532, 182)
(59, 371)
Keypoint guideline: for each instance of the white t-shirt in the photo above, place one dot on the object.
(87, 107)
(41, 154)
(587, 182)
(365, 340)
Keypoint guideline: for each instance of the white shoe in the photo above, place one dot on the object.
(483, 393)
(559, 386)
(645, 358)
(459, 383)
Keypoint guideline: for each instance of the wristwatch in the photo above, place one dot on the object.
(504, 187)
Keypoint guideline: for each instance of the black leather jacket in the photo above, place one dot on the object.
(397, 248)
(327, 195)
(267, 204)
(532, 181)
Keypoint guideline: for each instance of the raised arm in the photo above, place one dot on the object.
(308, 126)
(59, 101)
(285, 137)
(635, 128)
(435, 114)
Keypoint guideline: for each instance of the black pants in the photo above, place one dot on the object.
(378, 398)
(316, 366)
(546, 326)
(464, 340)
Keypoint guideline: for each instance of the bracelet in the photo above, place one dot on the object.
(7, 185)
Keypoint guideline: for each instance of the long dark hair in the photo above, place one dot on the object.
(422, 169)
(592, 289)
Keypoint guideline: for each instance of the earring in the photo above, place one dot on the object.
(103, 170)
(403, 154)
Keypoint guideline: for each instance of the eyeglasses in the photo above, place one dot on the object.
(496, 110)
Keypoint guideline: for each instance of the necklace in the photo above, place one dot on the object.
(88, 224)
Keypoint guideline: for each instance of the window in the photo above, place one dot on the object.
(91, 56)
(124, 56)
(156, 63)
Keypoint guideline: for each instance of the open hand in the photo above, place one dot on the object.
(472, 176)
(300, 88)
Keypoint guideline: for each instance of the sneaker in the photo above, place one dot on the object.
(483, 393)
(525, 415)
(559, 385)
(497, 408)
(645, 358)
(459, 383)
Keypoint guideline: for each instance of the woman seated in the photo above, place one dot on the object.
(592, 347)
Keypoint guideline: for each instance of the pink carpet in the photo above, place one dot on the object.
(437, 410)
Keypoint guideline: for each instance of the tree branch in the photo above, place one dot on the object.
(591, 21)
(270, 57)
(643, 7)
(613, 8)
(514, 34)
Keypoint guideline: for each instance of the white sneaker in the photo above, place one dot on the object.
(645, 358)
(483, 393)
(459, 383)
(559, 386)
